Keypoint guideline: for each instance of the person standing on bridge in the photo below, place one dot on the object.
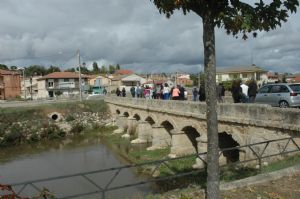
(202, 96)
(132, 91)
(175, 93)
(123, 92)
(118, 92)
(195, 94)
(252, 90)
(166, 92)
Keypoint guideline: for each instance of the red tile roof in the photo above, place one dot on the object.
(61, 75)
(124, 72)
(296, 79)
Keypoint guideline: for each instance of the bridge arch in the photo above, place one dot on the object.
(150, 120)
(137, 117)
(192, 135)
(126, 114)
(118, 112)
(226, 141)
(168, 126)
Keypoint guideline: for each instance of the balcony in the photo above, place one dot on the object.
(66, 85)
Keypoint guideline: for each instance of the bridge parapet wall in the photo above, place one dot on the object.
(248, 114)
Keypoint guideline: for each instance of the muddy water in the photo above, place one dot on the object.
(73, 155)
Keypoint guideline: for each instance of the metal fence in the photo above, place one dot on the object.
(289, 145)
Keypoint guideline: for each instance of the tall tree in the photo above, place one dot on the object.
(70, 70)
(118, 67)
(3, 66)
(103, 69)
(95, 67)
(13, 67)
(35, 70)
(111, 69)
(235, 17)
(53, 69)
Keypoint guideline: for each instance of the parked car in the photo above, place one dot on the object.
(281, 94)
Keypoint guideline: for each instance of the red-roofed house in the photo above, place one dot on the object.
(123, 72)
(10, 86)
(65, 83)
(296, 78)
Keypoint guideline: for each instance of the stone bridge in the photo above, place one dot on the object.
(181, 125)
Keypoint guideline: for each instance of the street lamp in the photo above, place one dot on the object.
(23, 69)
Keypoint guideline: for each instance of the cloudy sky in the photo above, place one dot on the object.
(133, 34)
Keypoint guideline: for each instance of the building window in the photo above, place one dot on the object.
(66, 80)
(50, 84)
(235, 76)
(244, 76)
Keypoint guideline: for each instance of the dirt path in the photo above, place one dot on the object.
(283, 188)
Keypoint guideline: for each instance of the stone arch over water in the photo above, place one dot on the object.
(226, 141)
(192, 135)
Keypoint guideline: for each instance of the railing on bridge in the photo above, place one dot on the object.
(290, 146)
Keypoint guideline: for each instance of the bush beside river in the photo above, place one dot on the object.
(31, 124)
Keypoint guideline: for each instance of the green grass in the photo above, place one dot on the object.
(142, 156)
(281, 164)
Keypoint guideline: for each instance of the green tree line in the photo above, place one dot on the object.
(39, 70)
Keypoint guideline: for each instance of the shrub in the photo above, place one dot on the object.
(77, 128)
(70, 118)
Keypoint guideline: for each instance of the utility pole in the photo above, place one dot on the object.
(199, 79)
(79, 69)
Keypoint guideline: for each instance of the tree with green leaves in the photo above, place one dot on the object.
(103, 70)
(35, 70)
(53, 69)
(70, 70)
(95, 67)
(236, 17)
(3, 66)
(13, 68)
(111, 69)
(118, 67)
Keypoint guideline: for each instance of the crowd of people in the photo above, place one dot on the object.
(163, 91)
(241, 92)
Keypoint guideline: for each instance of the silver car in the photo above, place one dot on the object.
(282, 94)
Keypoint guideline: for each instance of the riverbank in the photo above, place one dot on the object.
(193, 186)
(23, 125)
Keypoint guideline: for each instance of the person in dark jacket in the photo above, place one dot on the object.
(202, 96)
(118, 92)
(236, 91)
(123, 92)
(220, 92)
(181, 94)
(132, 91)
(195, 94)
(252, 90)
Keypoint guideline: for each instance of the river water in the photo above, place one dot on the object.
(73, 155)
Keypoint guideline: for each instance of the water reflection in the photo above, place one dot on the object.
(72, 155)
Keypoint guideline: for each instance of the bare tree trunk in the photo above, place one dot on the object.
(211, 111)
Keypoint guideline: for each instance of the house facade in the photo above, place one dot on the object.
(98, 83)
(10, 86)
(243, 73)
(184, 80)
(61, 83)
(132, 80)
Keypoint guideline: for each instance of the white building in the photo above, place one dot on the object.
(243, 73)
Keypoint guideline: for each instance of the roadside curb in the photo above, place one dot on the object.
(261, 178)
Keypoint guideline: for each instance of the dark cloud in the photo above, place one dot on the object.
(133, 34)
